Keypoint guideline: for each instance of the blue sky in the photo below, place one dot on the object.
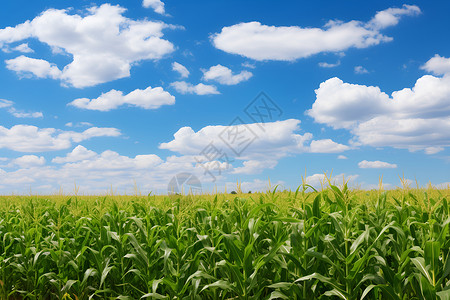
(119, 93)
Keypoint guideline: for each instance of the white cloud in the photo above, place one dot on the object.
(360, 70)
(258, 145)
(24, 48)
(376, 165)
(78, 154)
(184, 87)
(262, 42)
(5, 103)
(79, 124)
(150, 98)
(437, 65)
(17, 113)
(321, 180)
(96, 172)
(156, 5)
(224, 75)
(327, 146)
(103, 43)
(26, 138)
(182, 70)
(342, 157)
(248, 65)
(255, 166)
(391, 16)
(415, 118)
(341, 104)
(329, 65)
(26, 66)
(433, 150)
(28, 161)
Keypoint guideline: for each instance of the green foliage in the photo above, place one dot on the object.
(335, 243)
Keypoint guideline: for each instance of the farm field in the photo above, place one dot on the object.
(337, 243)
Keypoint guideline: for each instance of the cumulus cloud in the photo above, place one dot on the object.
(321, 180)
(391, 16)
(18, 113)
(276, 138)
(102, 42)
(255, 166)
(258, 145)
(150, 98)
(96, 172)
(28, 161)
(78, 154)
(376, 165)
(182, 70)
(156, 5)
(26, 138)
(327, 146)
(262, 42)
(437, 65)
(224, 75)
(184, 87)
(415, 118)
(26, 67)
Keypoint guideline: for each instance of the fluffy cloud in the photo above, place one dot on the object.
(103, 43)
(437, 65)
(415, 118)
(26, 138)
(256, 143)
(272, 138)
(177, 67)
(262, 42)
(391, 16)
(327, 146)
(26, 67)
(255, 166)
(321, 180)
(224, 75)
(156, 5)
(184, 87)
(28, 161)
(376, 165)
(96, 172)
(17, 113)
(78, 154)
(150, 98)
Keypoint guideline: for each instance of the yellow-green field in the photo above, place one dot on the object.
(337, 243)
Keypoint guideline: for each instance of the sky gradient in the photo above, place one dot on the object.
(126, 94)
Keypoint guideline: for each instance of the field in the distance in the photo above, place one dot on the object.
(338, 243)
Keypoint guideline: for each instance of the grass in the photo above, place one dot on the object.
(336, 243)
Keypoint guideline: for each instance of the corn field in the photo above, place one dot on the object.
(336, 243)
